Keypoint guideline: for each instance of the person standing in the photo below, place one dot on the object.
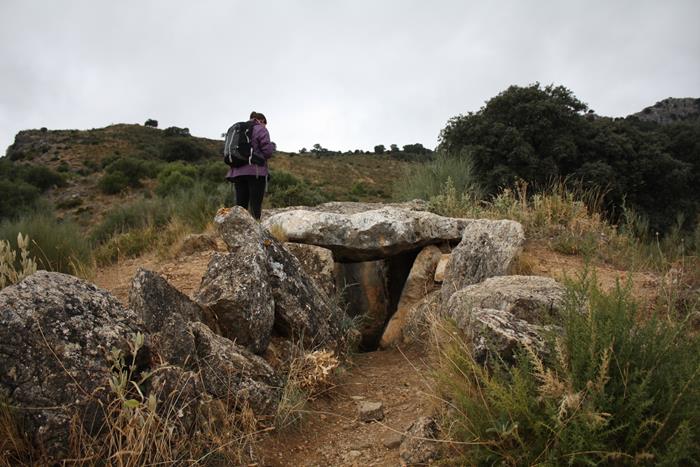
(250, 180)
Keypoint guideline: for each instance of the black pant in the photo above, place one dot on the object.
(250, 191)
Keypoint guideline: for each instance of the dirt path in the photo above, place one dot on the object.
(331, 433)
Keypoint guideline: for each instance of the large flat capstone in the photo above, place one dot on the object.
(367, 235)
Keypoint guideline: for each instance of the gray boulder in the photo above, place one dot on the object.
(154, 300)
(317, 262)
(350, 207)
(487, 249)
(236, 297)
(535, 299)
(367, 235)
(231, 373)
(502, 314)
(302, 311)
(56, 332)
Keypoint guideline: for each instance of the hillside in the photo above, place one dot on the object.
(83, 158)
(671, 110)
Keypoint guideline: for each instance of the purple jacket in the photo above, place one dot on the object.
(262, 146)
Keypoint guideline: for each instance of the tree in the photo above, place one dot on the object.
(415, 149)
(379, 149)
(151, 123)
(393, 148)
(303, 151)
(318, 149)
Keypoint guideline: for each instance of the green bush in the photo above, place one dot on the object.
(16, 197)
(617, 388)
(113, 183)
(57, 245)
(174, 182)
(184, 149)
(196, 206)
(287, 190)
(41, 177)
(428, 180)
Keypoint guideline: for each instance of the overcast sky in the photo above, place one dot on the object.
(345, 74)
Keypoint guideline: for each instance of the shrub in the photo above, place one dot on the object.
(196, 206)
(288, 190)
(113, 183)
(427, 180)
(617, 388)
(16, 197)
(57, 245)
(184, 149)
(173, 182)
(42, 177)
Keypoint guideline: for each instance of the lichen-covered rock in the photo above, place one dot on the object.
(154, 299)
(302, 311)
(236, 297)
(178, 393)
(231, 373)
(535, 299)
(367, 235)
(499, 334)
(504, 313)
(317, 263)
(420, 282)
(441, 267)
(55, 334)
(419, 445)
(365, 291)
(487, 249)
(350, 207)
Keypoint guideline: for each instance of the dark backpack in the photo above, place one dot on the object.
(237, 148)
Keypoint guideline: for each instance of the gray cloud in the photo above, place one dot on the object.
(345, 74)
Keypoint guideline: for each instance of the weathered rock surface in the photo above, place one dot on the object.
(503, 313)
(487, 249)
(55, 334)
(417, 325)
(442, 267)
(365, 291)
(368, 411)
(420, 446)
(231, 373)
(367, 235)
(535, 299)
(302, 311)
(317, 262)
(420, 282)
(154, 300)
(350, 207)
(236, 297)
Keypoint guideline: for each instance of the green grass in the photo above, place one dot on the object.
(619, 388)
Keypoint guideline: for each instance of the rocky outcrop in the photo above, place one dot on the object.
(236, 297)
(350, 207)
(365, 291)
(502, 314)
(56, 332)
(318, 263)
(155, 300)
(420, 282)
(302, 311)
(367, 235)
(671, 110)
(487, 249)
